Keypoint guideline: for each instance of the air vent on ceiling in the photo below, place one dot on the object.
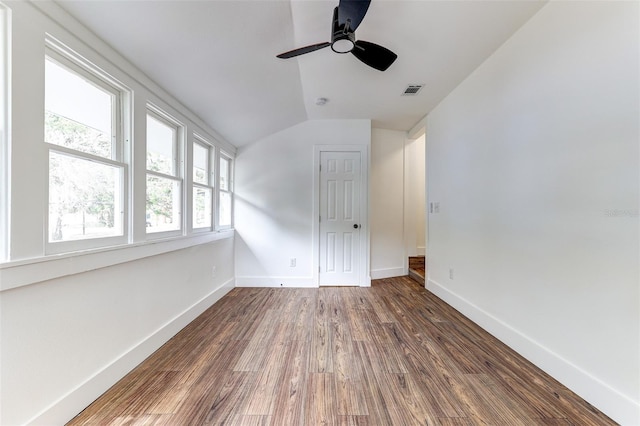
(412, 89)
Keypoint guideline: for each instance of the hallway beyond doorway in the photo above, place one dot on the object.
(417, 269)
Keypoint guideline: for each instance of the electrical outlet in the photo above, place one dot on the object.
(213, 271)
(450, 273)
(292, 262)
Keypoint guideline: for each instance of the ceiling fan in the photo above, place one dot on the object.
(346, 18)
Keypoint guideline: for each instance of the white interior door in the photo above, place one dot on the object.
(340, 218)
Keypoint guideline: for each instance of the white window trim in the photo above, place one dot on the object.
(197, 139)
(82, 68)
(169, 120)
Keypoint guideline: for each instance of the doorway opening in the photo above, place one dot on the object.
(415, 207)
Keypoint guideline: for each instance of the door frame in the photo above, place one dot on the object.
(364, 275)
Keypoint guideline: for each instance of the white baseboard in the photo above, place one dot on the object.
(284, 282)
(67, 407)
(377, 274)
(291, 282)
(614, 404)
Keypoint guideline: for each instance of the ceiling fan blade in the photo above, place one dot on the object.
(303, 50)
(374, 55)
(352, 10)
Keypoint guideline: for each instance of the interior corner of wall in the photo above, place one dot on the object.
(418, 129)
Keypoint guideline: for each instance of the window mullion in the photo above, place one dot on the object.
(199, 185)
(164, 175)
(83, 155)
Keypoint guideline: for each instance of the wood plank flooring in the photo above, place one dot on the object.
(392, 354)
(417, 269)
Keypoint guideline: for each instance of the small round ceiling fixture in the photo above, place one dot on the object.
(342, 45)
(321, 101)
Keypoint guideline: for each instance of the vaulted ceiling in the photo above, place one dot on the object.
(219, 57)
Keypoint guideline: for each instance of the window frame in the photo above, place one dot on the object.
(25, 191)
(222, 155)
(210, 185)
(120, 102)
(178, 178)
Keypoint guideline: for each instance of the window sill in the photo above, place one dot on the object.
(20, 273)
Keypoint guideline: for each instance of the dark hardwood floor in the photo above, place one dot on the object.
(417, 269)
(392, 354)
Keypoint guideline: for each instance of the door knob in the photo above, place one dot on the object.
(356, 226)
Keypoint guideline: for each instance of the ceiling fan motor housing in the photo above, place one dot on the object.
(343, 43)
(342, 38)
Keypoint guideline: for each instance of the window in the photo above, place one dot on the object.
(164, 176)
(225, 185)
(82, 130)
(202, 186)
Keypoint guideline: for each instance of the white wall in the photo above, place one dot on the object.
(65, 341)
(415, 196)
(274, 201)
(534, 159)
(72, 325)
(274, 190)
(397, 201)
(4, 128)
(388, 255)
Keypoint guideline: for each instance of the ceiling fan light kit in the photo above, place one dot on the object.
(346, 18)
(343, 45)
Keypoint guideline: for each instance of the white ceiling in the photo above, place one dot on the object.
(219, 57)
